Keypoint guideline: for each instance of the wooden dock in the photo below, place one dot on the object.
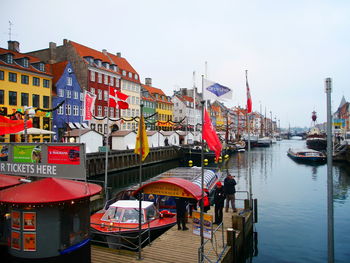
(182, 246)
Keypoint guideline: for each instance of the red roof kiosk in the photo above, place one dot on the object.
(49, 220)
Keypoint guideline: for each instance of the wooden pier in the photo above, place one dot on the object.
(182, 246)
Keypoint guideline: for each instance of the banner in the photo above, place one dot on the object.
(27, 154)
(64, 155)
(215, 91)
(89, 104)
(207, 224)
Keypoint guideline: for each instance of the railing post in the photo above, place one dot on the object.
(231, 241)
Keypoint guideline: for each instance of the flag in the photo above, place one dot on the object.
(89, 104)
(215, 91)
(142, 133)
(249, 98)
(8, 126)
(210, 136)
(117, 99)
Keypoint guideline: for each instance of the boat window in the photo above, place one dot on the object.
(112, 214)
(132, 216)
(151, 213)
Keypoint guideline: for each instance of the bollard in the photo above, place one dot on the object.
(255, 207)
(231, 241)
(247, 204)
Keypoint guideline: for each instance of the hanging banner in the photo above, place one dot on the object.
(89, 104)
(207, 224)
(64, 155)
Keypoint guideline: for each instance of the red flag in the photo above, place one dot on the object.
(114, 97)
(210, 136)
(249, 98)
(8, 126)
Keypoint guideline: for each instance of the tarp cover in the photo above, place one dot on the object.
(8, 180)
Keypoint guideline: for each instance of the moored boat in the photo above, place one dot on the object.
(307, 155)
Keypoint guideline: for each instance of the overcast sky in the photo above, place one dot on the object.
(288, 46)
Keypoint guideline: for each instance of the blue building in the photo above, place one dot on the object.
(66, 89)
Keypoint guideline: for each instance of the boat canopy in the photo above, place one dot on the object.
(172, 187)
(209, 179)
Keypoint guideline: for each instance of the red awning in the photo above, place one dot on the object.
(48, 190)
(8, 180)
(172, 187)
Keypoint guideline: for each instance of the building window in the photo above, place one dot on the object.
(69, 81)
(117, 82)
(24, 99)
(36, 122)
(81, 96)
(111, 81)
(46, 102)
(136, 76)
(99, 128)
(12, 77)
(92, 76)
(46, 83)
(2, 96)
(24, 79)
(92, 90)
(106, 111)
(105, 95)
(35, 99)
(9, 58)
(60, 110)
(99, 110)
(25, 63)
(111, 112)
(116, 113)
(93, 126)
(1, 75)
(68, 109)
(105, 129)
(124, 73)
(99, 94)
(36, 81)
(106, 80)
(61, 93)
(68, 94)
(75, 110)
(76, 94)
(12, 98)
(99, 77)
(42, 67)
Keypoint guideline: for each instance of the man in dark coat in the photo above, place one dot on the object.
(181, 205)
(230, 190)
(219, 200)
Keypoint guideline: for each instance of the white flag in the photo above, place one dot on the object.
(215, 91)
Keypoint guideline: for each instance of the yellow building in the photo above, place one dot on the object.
(25, 81)
(164, 107)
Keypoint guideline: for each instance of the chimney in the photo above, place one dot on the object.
(104, 51)
(148, 81)
(119, 55)
(13, 45)
(52, 53)
(65, 42)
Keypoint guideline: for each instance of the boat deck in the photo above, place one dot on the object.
(173, 246)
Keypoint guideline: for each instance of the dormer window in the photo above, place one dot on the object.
(106, 65)
(115, 68)
(98, 62)
(9, 58)
(124, 73)
(25, 62)
(42, 67)
(130, 75)
(136, 77)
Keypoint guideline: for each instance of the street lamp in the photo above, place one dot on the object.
(29, 112)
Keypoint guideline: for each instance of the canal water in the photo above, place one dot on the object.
(292, 203)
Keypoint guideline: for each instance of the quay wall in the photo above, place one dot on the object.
(127, 159)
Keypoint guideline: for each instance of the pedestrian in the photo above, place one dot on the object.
(181, 205)
(206, 202)
(230, 190)
(219, 200)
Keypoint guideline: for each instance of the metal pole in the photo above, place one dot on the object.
(25, 125)
(140, 179)
(107, 150)
(249, 168)
(202, 180)
(330, 219)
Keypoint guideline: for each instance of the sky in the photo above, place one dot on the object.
(288, 47)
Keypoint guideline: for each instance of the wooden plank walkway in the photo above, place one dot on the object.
(173, 246)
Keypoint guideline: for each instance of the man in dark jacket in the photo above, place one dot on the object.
(230, 190)
(181, 206)
(219, 200)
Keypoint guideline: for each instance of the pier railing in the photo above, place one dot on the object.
(116, 239)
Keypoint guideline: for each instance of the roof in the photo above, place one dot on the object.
(57, 70)
(121, 133)
(78, 132)
(9, 180)
(190, 189)
(48, 190)
(131, 204)
(154, 91)
(168, 133)
(32, 59)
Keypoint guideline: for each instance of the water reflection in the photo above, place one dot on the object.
(341, 182)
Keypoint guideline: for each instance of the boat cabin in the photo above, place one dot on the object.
(127, 211)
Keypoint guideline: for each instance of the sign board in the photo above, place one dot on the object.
(58, 160)
(166, 189)
(339, 122)
(207, 224)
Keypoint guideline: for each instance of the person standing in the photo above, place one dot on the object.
(219, 200)
(230, 190)
(181, 205)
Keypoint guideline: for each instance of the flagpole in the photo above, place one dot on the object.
(202, 179)
(140, 177)
(249, 166)
(107, 150)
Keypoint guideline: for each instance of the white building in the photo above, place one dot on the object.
(172, 137)
(123, 140)
(91, 138)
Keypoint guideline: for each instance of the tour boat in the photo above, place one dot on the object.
(315, 139)
(119, 224)
(307, 155)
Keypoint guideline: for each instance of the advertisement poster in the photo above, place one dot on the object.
(63, 155)
(27, 154)
(16, 219)
(15, 240)
(4, 151)
(29, 221)
(29, 241)
(207, 223)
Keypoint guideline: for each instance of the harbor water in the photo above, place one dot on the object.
(292, 203)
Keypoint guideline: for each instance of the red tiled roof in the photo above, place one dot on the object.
(57, 71)
(154, 91)
(17, 55)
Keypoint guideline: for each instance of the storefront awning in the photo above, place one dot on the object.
(84, 125)
(71, 125)
(77, 124)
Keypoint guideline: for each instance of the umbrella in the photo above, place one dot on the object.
(36, 131)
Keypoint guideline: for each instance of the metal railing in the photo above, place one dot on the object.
(115, 238)
(217, 248)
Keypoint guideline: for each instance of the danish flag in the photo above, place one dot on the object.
(117, 99)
